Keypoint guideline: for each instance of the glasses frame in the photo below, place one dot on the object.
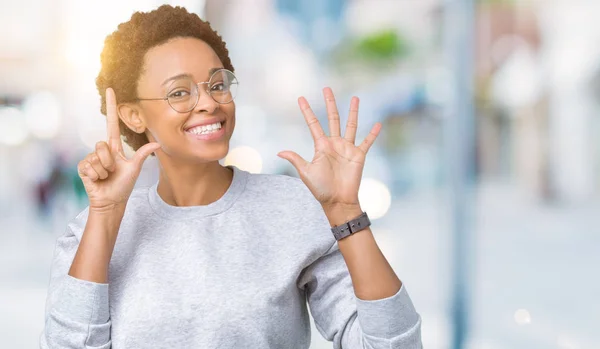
(198, 95)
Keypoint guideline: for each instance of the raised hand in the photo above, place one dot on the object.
(107, 174)
(334, 174)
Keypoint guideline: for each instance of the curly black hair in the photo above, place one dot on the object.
(124, 50)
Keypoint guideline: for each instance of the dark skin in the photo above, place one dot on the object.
(189, 170)
(190, 174)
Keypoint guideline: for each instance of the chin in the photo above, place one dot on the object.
(214, 153)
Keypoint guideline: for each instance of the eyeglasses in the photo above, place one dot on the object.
(183, 93)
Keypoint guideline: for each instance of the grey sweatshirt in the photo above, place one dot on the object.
(237, 273)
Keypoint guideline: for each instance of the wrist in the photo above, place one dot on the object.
(97, 243)
(341, 213)
(106, 221)
(113, 209)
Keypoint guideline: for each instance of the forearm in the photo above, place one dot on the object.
(372, 276)
(95, 249)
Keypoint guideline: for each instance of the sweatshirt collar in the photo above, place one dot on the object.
(166, 210)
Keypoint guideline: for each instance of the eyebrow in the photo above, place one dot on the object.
(211, 71)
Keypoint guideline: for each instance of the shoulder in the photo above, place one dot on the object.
(281, 189)
(287, 203)
(279, 181)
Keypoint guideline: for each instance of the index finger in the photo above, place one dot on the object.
(311, 120)
(112, 119)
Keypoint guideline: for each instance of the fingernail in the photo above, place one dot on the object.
(302, 102)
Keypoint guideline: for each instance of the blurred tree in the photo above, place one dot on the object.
(380, 50)
(383, 45)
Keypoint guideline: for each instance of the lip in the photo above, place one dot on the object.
(206, 122)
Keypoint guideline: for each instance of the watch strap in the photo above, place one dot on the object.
(357, 224)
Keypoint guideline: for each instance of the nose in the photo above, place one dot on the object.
(206, 104)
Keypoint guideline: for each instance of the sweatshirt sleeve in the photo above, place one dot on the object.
(77, 311)
(352, 323)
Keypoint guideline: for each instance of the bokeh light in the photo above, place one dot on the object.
(42, 112)
(374, 197)
(246, 158)
(13, 129)
(522, 317)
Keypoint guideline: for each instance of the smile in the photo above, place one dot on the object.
(207, 132)
(205, 129)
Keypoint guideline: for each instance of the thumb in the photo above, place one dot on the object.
(296, 160)
(142, 154)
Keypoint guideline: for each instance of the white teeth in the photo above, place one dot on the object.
(205, 129)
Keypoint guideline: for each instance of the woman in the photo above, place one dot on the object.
(212, 256)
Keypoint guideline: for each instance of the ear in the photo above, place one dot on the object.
(130, 115)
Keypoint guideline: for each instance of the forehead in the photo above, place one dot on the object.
(178, 56)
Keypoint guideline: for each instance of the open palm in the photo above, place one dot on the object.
(334, 174)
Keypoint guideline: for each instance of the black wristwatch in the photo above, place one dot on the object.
(357, 224)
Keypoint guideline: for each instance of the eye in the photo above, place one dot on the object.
(179, 94)
(219, 86)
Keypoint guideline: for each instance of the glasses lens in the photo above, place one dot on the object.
(182, 94)
(223, 86)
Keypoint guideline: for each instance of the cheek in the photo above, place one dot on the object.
(165, 123)
(230, 111)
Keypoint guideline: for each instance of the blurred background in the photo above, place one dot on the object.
(483, 185)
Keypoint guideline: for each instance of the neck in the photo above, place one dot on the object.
(193, 184)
